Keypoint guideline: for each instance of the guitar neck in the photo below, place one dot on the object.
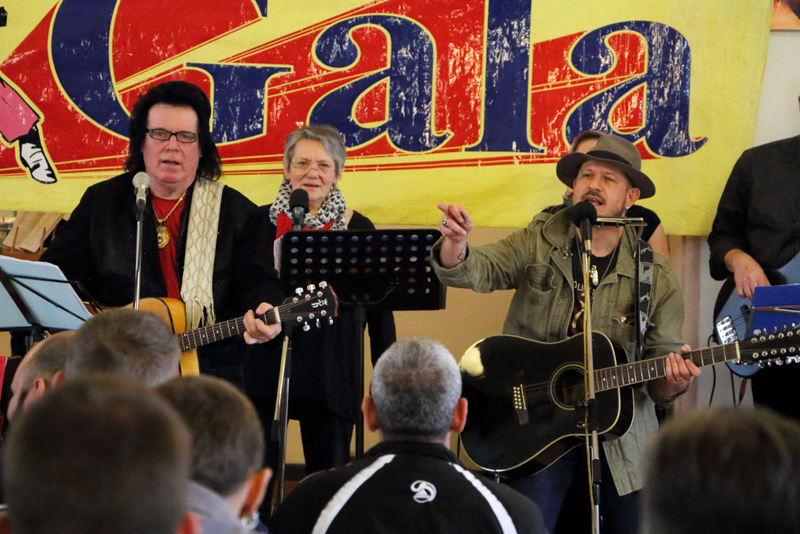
(642, 371)
(217, 332)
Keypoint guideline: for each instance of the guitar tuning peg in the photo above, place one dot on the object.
(330, 320)
(299, 290)
(311, 288)
(306, 328)
(317, 323)
(323, 284)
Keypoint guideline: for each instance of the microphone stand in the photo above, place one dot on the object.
(592, 425)
(141, 208)
(280, 420)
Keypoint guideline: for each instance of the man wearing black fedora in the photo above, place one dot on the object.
(542, 264)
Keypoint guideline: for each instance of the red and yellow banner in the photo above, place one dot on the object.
(467, 101)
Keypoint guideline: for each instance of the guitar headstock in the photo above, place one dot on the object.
(768, 349)
(312, 304)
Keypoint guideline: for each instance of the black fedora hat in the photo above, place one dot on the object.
(609, 149)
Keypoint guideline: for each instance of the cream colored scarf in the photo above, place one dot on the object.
(201, 246)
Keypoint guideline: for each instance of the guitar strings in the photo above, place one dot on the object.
(698, 357)
(197, 336)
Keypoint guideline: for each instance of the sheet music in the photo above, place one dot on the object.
(52, 286)
(774, 297)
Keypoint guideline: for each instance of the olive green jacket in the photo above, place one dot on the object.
(537, 263)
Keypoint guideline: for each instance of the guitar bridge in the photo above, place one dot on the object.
(726, 332)
(520, 405)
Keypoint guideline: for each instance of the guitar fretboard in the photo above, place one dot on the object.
(777, 346)
(217, 332)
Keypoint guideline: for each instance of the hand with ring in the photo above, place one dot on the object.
(680, 372)
(456, 223)
(455, 227)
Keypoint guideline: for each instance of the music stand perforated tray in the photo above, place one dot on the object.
(386, 268)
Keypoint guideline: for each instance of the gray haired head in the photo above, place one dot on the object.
(132, 343)
(329, 136)
(416, 386)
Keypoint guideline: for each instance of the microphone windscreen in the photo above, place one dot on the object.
(141, 179)
(584, 210)
(299, 199)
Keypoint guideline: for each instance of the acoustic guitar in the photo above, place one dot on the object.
(314, 304)
(526, 397)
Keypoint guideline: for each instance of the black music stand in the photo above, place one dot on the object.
(386, 269)
(35, 296)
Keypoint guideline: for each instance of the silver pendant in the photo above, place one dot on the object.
(593, 274)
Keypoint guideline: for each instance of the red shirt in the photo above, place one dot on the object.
(169, 266)
(284, 224)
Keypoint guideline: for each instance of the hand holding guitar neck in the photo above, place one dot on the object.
(257, 330)
(679, 375)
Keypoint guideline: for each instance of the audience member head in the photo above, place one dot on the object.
(415, 393)
(731, 471)
(228, 440)
(178, 94)
(37, 371)
(100, 454)
(585, 141)
(132, 343)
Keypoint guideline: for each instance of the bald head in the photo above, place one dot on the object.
(37, 370)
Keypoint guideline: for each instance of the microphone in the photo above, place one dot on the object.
(298, 205)
(584, 215)
(141, 182)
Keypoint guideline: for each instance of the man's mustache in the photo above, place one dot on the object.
(592, 194)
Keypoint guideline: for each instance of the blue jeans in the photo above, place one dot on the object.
(562, 493)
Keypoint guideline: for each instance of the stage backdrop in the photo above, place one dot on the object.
(466, 101)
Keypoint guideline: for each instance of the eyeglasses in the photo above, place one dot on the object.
(305, 166)
(160, 134)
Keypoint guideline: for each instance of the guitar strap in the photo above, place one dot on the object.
(644, 283)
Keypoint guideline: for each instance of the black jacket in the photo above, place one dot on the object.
(405, 487)
(97, 248)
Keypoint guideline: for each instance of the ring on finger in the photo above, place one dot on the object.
(444, 223)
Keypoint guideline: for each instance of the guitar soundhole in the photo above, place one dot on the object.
(567, 388)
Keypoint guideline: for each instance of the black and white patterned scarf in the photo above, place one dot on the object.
(332, 209)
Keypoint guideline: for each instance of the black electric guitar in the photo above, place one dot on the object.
(525, 396)
(732, 312)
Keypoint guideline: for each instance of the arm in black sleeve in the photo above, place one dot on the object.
(255, 277)
(729, 230)
(70, 248)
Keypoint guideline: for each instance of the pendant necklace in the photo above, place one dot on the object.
(593, 270)
(162, 234)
